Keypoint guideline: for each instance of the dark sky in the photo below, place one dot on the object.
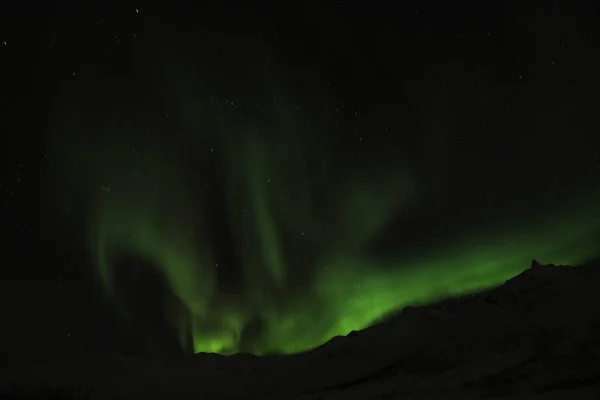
(223, 179)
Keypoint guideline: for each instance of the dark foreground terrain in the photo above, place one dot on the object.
(535, 337)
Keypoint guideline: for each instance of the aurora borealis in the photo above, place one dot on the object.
(291, 224)
(281, 199)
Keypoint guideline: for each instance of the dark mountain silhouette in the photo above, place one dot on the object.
(537, 336)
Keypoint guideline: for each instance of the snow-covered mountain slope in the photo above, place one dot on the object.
(535, 337)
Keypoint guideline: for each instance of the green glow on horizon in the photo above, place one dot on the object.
(302, 228)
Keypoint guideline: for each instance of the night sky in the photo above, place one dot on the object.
(261, 180)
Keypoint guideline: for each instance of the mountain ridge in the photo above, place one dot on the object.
(536, 334)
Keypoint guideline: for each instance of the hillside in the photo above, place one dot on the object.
(535, 337)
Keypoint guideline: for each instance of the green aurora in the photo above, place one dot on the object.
(302, 226)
